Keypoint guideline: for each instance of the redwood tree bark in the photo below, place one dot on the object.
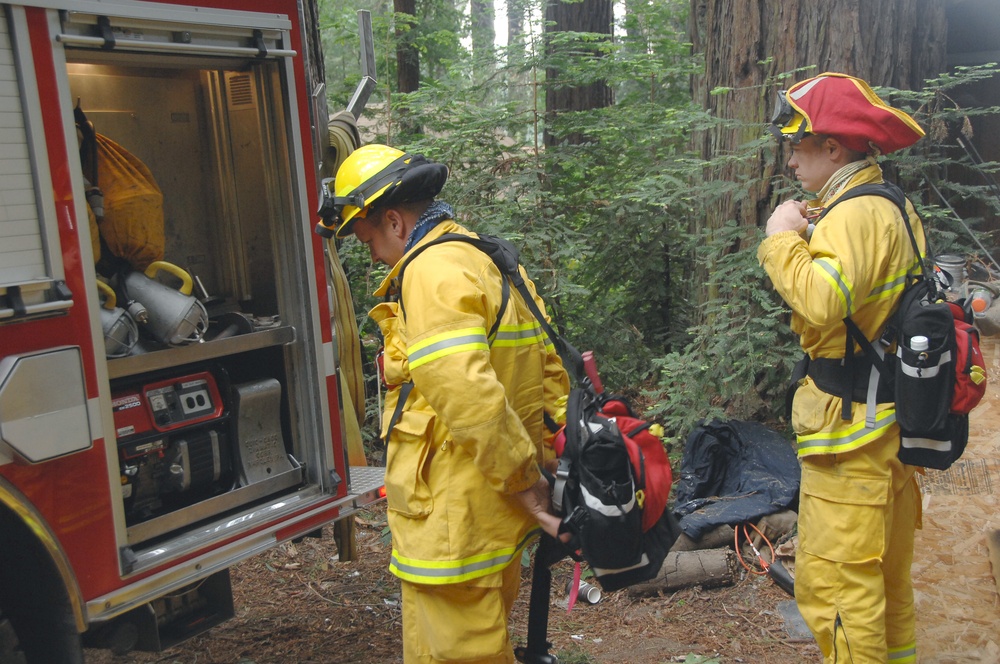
(594, 16)
(407, 57)
(746, 43)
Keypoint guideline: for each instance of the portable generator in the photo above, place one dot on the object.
(174, 443)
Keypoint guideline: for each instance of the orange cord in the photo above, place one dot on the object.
(736, 543)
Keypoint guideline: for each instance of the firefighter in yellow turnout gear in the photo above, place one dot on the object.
(859, 506)
(463, 413)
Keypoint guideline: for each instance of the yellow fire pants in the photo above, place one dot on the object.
(857, 515)
(460, 622)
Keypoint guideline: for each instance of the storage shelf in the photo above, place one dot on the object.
(198, 352)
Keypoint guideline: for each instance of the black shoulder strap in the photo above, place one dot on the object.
(507, 259)
(895, 194)
(453, 237)
(883, 189)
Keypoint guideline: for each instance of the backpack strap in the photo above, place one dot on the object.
(453, 237)
(854, 334)
(404, 394)
(507, 259)
(536, 651)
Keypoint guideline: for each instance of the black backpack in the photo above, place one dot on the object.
(937, 374)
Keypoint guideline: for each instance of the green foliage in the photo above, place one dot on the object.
(736, 363)
(616, 231)
(692, 658)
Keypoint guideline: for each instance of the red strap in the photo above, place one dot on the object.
(574, 588)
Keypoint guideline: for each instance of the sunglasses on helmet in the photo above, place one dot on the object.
(786, 122)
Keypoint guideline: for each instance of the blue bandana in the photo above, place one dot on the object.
(432, 216)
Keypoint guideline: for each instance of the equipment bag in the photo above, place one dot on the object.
(133, 206)
(939, 379)
(124, 200)
(611, 487)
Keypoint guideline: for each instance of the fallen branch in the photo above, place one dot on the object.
(708, 568)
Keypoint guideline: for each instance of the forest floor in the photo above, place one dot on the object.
(299, 604)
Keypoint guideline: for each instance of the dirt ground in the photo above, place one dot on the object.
(298, 603)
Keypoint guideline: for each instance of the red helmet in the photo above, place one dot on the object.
(845, 108)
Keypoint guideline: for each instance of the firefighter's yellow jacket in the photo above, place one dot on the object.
(855, 264)
(471, 432)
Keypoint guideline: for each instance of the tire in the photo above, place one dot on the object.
(10, 650)
(40, 634)
(37, 624)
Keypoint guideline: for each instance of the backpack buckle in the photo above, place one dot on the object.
(562, 476)
(888, 336)
(574, 522)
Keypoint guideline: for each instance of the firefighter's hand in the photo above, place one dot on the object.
(789, 216)
(535, 501)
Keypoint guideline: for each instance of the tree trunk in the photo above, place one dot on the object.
(407, 57)
(593, 16)
(483, 38)
(515, 22)
(746, 43)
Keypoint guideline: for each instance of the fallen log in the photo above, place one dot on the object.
(708, 568)
(718, 536)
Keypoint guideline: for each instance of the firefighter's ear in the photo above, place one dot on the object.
(396, 223)
(839, 152)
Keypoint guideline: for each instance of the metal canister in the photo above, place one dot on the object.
(585, 591)
(175, 316)
(952, 268)
(120, 332)
(591, 594)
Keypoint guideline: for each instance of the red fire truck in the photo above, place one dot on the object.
(160, 420)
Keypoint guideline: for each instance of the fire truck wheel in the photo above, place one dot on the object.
(35, 607)
(10, 651)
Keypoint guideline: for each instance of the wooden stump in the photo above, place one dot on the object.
(345, 535)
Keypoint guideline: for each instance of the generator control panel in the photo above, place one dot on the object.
(167, 405)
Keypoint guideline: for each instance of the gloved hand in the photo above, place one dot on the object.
(536, 501)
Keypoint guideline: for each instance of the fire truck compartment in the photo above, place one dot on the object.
(216, 418)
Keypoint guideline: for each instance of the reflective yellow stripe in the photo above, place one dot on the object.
(851, 438)
(903, 654)
(447, 343)
(832, 274)
(440, 572)
(894, 284)
(524, 334)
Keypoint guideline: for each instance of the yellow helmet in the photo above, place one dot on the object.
(377, 174)
(363, 177)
